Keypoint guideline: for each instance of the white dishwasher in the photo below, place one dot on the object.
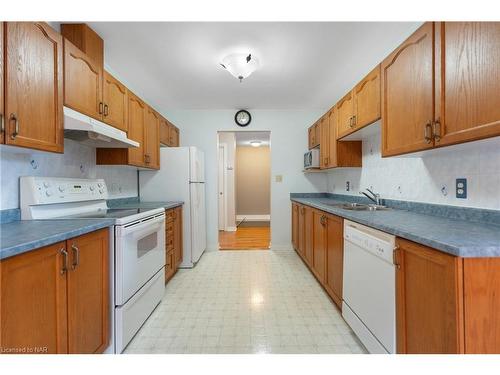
(369, 290)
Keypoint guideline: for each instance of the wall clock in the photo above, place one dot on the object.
(242, 118)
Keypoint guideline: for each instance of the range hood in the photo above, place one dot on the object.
(91, 132)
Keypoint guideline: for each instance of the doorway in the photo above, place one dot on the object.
(244, 190)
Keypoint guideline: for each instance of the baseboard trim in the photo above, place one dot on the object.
(253, 217)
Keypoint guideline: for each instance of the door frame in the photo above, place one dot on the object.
(222, 210)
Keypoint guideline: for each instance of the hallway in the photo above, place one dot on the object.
(245, 302)
(246, 238)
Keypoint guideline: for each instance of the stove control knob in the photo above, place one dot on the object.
(92, 187)
(48, 192)
(61, 188)
(99, 185)
(46, 184)
(101, 191)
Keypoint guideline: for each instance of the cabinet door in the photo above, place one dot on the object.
(33, 301)
(467, 81)
(82, 82)
(136, 123)
(178, 252)
(367, 99)
(115, 103)
(88, 293)
(407, 95)
(2, 113)
(334, 258)
(33, 86)
(310, 137)
(345, 111)
(301, 229)
(170, 266)
(429, 294)
(164, 132)
(295, 226)
(309, 232)
(152, 139)
(332, 138)
(174, 136)
(324, 148)
(319, 245)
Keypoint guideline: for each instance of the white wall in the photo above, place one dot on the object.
(288, 143)
(77, 161)
(421, 179)
(229, 140)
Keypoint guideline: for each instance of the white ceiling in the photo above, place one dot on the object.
(175, 65)
(243, 138)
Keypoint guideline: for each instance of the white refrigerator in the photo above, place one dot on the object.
(181, 178)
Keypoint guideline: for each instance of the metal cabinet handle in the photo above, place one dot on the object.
(100, 108)
(354, 120)
(2, 123)
(13, 117)
(428, 132)
(395, 257)
(106, 110)
(350, 122)
(323, 220)
(437, 130)
(147, 158)
(65, 261)
(76, 256)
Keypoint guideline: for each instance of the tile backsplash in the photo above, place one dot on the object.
(77, 161)
(429, 177)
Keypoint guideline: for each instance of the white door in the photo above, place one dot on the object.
(198, 222)
(222, 194)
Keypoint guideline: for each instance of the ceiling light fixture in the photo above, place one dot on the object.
(255, 143)
(240, 65)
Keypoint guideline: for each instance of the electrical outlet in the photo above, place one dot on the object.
(461, 188)
(347, 186)
(278, 178)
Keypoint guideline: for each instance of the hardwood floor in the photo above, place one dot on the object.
(246, 238)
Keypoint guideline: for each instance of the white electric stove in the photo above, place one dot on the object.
(137, 245)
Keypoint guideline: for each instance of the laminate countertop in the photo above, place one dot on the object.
(456, 237)
(21, 236)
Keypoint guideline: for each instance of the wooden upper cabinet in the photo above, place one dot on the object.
(174, 136)
(82, 82)
(319, 244)
(345, 113)
(429, 300)
(115, 110)
(314, 135)
(33, 86)
(407, 94)
(85, 39)
(334, 258)
(2, 113)
(136, 125)
(367, 100)
(88, 293)
(164, 132)
(467, 81)
(152, 139)
(324, 148)
(34, 312)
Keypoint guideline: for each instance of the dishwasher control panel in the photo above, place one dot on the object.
(378, 243)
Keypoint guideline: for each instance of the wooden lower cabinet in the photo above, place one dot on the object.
(334, 258)
(319, 245)
(173, 241)
(446, 304)
(56, 299)
(295, 225)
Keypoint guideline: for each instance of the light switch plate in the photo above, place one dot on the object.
(461, 188)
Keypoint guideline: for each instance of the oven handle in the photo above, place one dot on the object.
(138, 231)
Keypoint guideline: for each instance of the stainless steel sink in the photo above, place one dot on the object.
(359, 206)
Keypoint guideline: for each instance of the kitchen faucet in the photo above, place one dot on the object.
(374, 197)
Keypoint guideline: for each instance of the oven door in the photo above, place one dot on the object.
(140, 254)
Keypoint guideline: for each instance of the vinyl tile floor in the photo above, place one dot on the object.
(243, 302)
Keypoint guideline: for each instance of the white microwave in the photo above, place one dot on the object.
(311, 159)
